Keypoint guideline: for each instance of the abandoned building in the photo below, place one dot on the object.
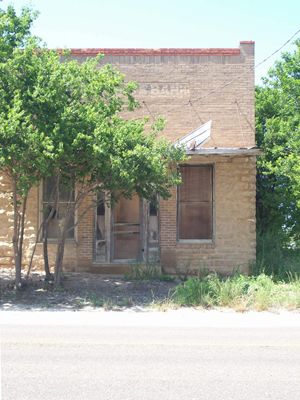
(207, 99)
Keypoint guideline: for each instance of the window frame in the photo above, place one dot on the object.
(197, 241)
(41, 203)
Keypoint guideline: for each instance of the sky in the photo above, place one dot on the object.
(167, 23)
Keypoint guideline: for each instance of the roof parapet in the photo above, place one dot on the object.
(155, 52)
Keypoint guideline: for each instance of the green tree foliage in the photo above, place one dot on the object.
(278, 134)
(60, 117)
(18, 139)
(14, 30)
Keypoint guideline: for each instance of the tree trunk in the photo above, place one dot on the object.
(18, 234)
(59, 260)
(46, 220)
(48, 276)
(22, 227)
(61, 246)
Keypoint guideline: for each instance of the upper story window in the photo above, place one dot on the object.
(195, 203)
(56, 204)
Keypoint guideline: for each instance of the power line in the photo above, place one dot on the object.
(148, 109)
(280, 48)
(221, 87)
(196, 112)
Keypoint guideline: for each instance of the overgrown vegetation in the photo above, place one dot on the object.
(62, 118)
(147, 272)
(278, 169)
(274, 258)
(239, 292)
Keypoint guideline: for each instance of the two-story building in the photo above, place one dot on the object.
(207, 99)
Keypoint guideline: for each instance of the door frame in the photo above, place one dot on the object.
(141, 248)
(109, 236)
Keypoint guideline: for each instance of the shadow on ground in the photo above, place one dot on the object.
(81, 291)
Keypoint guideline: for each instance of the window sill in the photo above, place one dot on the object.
(200, 242)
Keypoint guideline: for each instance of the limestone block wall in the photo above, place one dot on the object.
(30, 234)
(6, 213)
(234, 242)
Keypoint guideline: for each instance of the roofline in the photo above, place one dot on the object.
(155, 52)
(225, 151)
(158, 52)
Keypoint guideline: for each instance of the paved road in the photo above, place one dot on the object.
(59, 358)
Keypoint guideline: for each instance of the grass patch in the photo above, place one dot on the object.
(240, 292)
(147, 272)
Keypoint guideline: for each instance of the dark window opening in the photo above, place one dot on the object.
(195, 202)
(55, 205)
(100, 227)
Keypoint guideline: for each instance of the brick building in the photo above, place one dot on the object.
(209, 222)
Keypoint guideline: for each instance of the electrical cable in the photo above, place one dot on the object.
(219, 88)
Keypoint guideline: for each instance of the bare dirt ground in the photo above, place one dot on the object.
(81, 291)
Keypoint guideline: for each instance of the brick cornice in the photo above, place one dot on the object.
(156, 52)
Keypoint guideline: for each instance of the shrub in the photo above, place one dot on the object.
(239, 291)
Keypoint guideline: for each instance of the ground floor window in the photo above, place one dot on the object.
(57, 196)
(195, 202)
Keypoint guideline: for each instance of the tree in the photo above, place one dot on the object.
(21, 144)
(14, 30)
(97, 148)
(278, 134)
(62, 118)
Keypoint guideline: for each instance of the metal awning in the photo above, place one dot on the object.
(226, 151)
(196, 138)
(194, 141)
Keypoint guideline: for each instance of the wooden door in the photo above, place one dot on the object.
(126, 232)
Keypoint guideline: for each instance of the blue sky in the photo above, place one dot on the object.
(167, 23)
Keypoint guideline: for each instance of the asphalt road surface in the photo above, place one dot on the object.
(70, 356)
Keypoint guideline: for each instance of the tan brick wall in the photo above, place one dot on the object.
(223, 85)
(221, 89)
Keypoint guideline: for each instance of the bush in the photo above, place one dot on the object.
(274, 258)
(239, 291)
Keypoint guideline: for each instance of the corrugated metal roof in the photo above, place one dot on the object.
(226, 151)
(196, 138)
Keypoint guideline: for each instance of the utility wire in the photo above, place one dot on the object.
(148, 109)
(276, 51)
(219, 88)
(196, 112)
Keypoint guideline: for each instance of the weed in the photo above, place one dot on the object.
(164, 304)
(94, 300)
(108, 305)
(238, 291)
(147, 272)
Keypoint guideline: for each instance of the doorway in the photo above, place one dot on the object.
(126, 230)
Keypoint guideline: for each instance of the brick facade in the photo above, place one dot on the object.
(188, 87)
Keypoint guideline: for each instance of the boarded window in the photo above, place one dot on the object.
(57, 209)
(195, 202)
